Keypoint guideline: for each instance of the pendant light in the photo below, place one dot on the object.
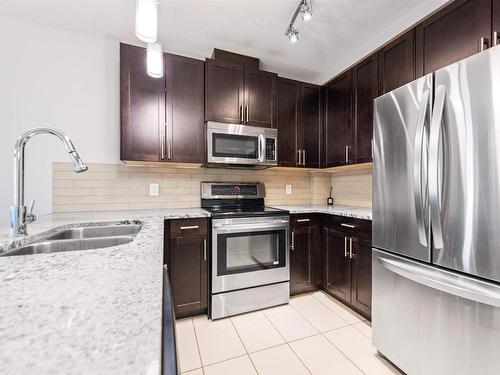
(146, 20)
(154, 60)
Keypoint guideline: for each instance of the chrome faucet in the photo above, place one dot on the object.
(19, 216)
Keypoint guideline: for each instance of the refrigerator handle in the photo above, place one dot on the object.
(434, 195)
(444, 281)
(417, 168)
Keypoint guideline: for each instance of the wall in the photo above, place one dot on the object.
(120, 187)
(58, 78)
(352, 188)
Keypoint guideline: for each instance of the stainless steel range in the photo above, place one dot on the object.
(250, 256)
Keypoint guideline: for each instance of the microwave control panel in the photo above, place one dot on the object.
(270, 149)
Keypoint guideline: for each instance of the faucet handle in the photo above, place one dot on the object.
(30, 216)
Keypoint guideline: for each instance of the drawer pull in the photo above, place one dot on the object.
(190, 227)
(204, 249)
(303, 220)
(352, 226)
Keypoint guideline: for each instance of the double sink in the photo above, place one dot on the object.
(95, 236)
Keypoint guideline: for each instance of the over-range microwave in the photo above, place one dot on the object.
(241, 146)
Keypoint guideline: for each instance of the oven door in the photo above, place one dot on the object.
(248, 252)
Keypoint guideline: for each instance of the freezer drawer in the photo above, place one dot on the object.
(430, 321)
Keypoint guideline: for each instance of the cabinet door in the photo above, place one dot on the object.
(260, 98)
(396, 63)
(496, 22)
(309, 129)
(452, 34)
(305, 255)
(365, 82)
(188, 274)
(185, 135)
(288, 112)
(142, 107)
(224, 92)
(337, 266)
(361, 291)
(338, 122)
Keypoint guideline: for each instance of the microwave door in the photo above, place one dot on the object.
(234, 148)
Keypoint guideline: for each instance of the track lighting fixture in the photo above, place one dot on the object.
(305, 10)
(146, 20)
(154, 60)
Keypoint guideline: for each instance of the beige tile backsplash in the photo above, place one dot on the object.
(119, 187)
(353, 188)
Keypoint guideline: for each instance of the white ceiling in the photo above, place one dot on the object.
(339, 33)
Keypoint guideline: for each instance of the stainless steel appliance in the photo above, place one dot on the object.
(436, 209)
(250, 249)
(241, 146)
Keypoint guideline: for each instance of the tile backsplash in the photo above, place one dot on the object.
(352, 188)
(120, 187)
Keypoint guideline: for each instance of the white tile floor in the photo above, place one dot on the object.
(314, 334)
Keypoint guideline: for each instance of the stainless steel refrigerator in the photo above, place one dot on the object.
(436, 220)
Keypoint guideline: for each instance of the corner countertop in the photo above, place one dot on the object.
(85, 312)
(347, 211)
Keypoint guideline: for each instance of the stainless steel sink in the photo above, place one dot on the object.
(81, 238)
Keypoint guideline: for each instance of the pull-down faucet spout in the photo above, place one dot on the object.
(19, 216)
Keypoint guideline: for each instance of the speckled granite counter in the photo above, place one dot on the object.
(348, 211)
(85, 312)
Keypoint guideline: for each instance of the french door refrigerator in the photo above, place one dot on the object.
(436, 220)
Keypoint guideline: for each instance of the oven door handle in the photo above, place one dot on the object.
(275, 225)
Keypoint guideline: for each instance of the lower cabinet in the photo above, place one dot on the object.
(347, 261)
(186, 256)
(305, 254)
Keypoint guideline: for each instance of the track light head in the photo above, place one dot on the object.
(293, 35)
(306, 10)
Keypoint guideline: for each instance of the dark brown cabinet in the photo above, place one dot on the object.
(305, 254)
(299, 124)
(184, 134)
(458, 31)
(365, 82)
(239, 95)
(347, 261)
(396, 63)
(495, 36)
(186, 256)
(338, 121)
(142, 107)
(162, 119)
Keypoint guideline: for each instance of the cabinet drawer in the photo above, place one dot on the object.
(350, 225)
(188, 227)
(303, 220)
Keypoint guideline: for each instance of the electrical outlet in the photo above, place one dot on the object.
(154, 189)
(288, 189)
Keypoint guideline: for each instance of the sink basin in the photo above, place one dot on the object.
(81, 238)
(97, 231)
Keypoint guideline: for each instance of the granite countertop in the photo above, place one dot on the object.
(85, 312)
(348, 211)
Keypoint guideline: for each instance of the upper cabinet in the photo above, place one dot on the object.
(458, 31)
(299, 124)
(338, 121)
(365, 81)
(396, 63)
(162, 119)
(239, 95)
(142, 107)
(496, 23)
(184, 127)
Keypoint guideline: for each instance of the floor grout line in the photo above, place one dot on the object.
(197, 344)
(344, 354)
(244, 346)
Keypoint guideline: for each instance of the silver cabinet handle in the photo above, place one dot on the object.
(352, 226)
(303, 220)
(247, 113)
(417, 167)
(351, 254)
(190, 227)
(496, 38)
(162, 144)
(204, 249)
(300, 157)
(484, 43)
(434, 170)
(304, 158)
(293, 241)
(371, 146)
(241, 113)
(345, 247)
(346, 154)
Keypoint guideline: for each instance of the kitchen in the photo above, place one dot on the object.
(222, 218)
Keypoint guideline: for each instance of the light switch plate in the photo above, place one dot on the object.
(154, 189)
(288, 189)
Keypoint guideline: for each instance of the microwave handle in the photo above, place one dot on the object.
(262, 148)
